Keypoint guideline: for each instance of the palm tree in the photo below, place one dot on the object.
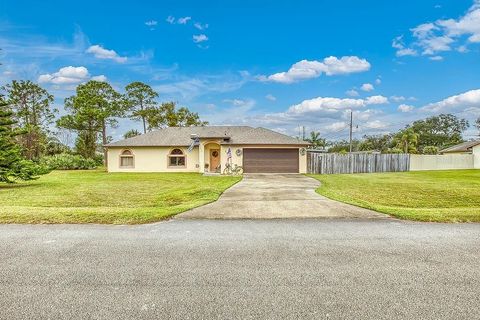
(407, 140)
(316, 140)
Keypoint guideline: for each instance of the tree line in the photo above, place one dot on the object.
(426, 136)
(31, 127)
(90, 113)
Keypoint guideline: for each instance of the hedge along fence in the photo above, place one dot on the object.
(332, 163)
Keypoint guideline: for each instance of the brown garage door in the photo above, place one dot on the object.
(270, 160)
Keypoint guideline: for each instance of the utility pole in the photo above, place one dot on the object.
(351, 129)
(303, 133)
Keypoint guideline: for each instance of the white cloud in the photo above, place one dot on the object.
(333, 105)
(66, 75)
(241, 103)
(367, 87)
(200, 26)
(375, 124)
(469, 100)
(397, 98)
(102, 53)
(405, 108)
(270, 97)
(441, 35)
(306, 69)
(183, 20)
(436, 58)
(151, 23)
(378, 81)
(336, 126)
(199, 38)
(100, 78)
(406, 52)
(376, 100)
(170, 19)
(399, 44)
(352, 93)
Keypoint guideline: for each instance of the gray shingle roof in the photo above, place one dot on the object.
(462, 147)
(181, 136)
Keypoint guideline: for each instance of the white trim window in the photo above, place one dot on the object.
(127, 159)
(177, 158)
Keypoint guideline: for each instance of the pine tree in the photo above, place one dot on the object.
(12, 166)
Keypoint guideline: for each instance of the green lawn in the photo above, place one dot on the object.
(100, 197)
(442, 196)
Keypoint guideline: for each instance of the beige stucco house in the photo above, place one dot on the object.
(209, 149)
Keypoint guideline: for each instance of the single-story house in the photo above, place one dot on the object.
(468, 147)
(208, 149)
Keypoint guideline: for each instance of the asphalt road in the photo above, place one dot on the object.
(214, 269)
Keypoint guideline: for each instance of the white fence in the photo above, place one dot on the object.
(441, 162)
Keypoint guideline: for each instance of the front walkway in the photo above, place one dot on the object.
(270, 196)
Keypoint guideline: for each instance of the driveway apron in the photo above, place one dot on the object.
(273, 196)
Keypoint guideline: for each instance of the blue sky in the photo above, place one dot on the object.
(276, 64)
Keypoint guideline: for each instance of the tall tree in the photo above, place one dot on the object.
(93, 109)
(407, 140)
(167, 115)
(316, 140)
(440, 131)
(32, 107)
(140, 98)
(12, 165)
(376, 143)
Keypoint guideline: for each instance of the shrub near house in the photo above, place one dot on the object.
(66, 161)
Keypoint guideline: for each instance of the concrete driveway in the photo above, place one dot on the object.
(271, 196)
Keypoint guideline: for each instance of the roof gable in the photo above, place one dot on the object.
(462, 147)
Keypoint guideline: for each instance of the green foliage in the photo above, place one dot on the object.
(140, 97)
(13, 166)
(407, 140)
(477, 125)
(168, 115)
(66, 161)
(316, 140)
(94, 108)
(440, 131)
(380, 143)
(394, 150)
(430, 150)
(54, 146)
(31, 106)
(343, 146)
(131, 133)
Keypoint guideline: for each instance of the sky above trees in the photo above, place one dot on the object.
(278, 64)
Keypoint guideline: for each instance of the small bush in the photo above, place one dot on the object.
(66, 161)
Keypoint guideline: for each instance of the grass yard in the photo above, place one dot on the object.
(442, 196)
(100, 197)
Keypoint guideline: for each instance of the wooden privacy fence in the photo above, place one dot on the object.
(330, 163)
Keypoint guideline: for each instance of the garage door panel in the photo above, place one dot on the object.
(270, 160)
